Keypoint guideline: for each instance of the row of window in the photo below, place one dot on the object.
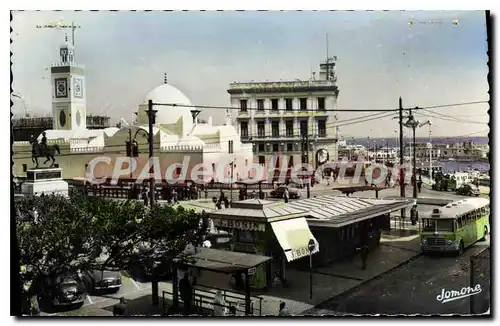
(461, 221)
(275, 147)
(288, 104)
(275, 129)
(472, 216)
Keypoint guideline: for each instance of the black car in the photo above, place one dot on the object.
(62, 291)
(468, 190)
(101, 281)
(279, 192)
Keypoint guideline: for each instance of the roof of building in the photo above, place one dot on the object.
(326, 210)
(225, 261)
(258, 208)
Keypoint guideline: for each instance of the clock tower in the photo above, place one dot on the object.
(69, 111)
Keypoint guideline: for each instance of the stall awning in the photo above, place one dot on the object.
(293, 236)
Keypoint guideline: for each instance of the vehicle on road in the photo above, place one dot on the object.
(62, 291)
(456, 226)
(101, 281)
(280, 192)
(468, 190)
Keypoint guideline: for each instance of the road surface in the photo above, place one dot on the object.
(412, 288)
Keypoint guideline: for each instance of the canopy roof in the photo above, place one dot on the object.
(223, 261)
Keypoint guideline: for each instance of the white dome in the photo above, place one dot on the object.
(168, 94)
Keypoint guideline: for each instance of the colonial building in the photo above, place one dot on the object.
(276, 116)
(177, 134)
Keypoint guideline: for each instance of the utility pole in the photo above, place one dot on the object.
(305, 158)
(151, 120)
(401, 156)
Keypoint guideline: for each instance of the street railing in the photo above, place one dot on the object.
(480, 274)
(204, 301)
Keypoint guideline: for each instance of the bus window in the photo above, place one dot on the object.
(429, 225)
(445, 225)
(459, 223)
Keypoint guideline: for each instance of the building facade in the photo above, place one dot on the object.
(467, 151)
(275, 118)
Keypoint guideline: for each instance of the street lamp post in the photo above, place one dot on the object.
(233, 165)
(311, 245)
(151, 120)
(413, 124)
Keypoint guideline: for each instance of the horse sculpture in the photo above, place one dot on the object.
(47, 151)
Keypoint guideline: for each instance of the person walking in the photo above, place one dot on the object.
(283, 310)
(419, 183)
(186, 291)
(364, 256)
(145, 196)
(219, 304)
(286, 195)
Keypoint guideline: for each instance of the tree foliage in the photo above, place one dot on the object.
(80, 233)
(54, 237)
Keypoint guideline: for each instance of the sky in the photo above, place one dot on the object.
(380, 58)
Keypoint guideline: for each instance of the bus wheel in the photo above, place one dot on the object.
(460, 250)
(485, 236)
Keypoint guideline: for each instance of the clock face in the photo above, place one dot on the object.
(78, 118)
(78, 89)
(61, 87)
(62, 118)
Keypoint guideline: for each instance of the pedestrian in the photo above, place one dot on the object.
(175, 196)
(364, 256)
(414, 215)
(286, 195)
(186, 291)
(283, 310)
(145, 196)
(219, 304)
(120, 308)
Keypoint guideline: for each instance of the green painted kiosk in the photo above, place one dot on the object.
(268, 228)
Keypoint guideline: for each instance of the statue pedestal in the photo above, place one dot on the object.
(46, 181)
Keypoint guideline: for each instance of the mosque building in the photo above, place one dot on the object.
(177, 133)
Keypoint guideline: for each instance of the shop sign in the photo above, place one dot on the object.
(299, 253)
(241, 225)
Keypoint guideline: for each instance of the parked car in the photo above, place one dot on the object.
(101, 281)
(62, 291)
(280, 191)
(468, 190)
(142, 270)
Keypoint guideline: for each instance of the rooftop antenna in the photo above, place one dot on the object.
(61, 25)
(327, 60)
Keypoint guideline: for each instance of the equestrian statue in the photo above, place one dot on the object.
(43, 150)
